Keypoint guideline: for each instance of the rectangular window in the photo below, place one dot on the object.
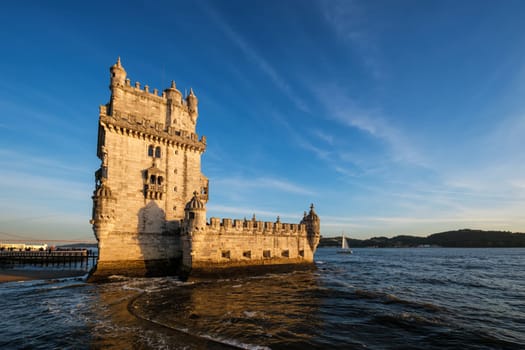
(247, 254)
(285, 253)
(267, 254)
(301, 253)
(226, 254)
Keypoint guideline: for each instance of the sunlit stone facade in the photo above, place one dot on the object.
(149, 203)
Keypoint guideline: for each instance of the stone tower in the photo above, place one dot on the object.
(149, 203)
(150, 168)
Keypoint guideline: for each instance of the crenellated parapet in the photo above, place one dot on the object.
(134, 126)
(119, 80)
(166, 97)
(254, 227)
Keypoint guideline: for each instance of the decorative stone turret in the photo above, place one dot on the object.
(118, 74)
(192, 102)
(173, 95)
(103, 208)
(195, 214)
(313, 227)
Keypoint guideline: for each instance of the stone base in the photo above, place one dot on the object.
(133, 268)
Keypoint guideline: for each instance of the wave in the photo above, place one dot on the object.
(387, 298)
(132, 309)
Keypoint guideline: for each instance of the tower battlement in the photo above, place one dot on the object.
(149, 203)
(255, 227)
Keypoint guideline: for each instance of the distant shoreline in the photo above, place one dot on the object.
(465, 238)
(18, 275)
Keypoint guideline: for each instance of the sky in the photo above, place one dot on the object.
(392, 117)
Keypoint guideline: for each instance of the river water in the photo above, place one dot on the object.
(428, 298)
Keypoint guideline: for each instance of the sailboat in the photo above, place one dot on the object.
(345, 249)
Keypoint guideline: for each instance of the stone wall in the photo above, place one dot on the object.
(231, 243)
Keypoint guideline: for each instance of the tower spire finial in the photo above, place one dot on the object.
(118, 62)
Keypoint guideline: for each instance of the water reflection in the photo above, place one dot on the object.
(269, 310)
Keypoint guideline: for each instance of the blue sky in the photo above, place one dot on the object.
(393, 117)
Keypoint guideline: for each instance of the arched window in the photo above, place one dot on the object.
(150, 151)
(157, 152)
(152, 179)
(159, 180)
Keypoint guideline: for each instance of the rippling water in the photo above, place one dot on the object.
(375, 299)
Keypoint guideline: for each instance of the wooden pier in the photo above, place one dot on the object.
(83, 258)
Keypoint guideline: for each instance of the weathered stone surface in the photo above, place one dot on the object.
(149, 204)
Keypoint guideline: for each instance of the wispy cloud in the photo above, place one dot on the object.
(42, 185)
(507, 218)
(10, 159)
(241, 212)
(373, 122)
(252, 54)
(324, 136)
(264, 183)
(348, 20)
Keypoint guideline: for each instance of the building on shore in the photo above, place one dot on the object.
(149, 203)
(22, 247)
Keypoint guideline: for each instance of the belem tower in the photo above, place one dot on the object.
(149, 204)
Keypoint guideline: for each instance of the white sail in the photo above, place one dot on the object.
(345, 249)
(344, 243)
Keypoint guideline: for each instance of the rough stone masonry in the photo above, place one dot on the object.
(149, 203)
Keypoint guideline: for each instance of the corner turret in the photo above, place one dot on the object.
(195, 214)
(313, 227)
(118, 74)
(192, 101)
(174, 95)
(103, 213)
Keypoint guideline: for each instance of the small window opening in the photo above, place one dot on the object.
(152, 179)
(225, 254)
(267, 254)
(301, 253)
(285, 253)
(159, 180)
(247, 254)
(150, 151)
(157, 152)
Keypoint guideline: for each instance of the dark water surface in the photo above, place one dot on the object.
(429, 298)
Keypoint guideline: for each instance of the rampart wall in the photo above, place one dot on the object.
(226, 243)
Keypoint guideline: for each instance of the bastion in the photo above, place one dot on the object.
(149, 203)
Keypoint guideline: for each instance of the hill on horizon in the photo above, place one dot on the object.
(463, 238)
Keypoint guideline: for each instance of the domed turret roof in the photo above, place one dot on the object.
(312, 215)
(103, 191)
(195, 203)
